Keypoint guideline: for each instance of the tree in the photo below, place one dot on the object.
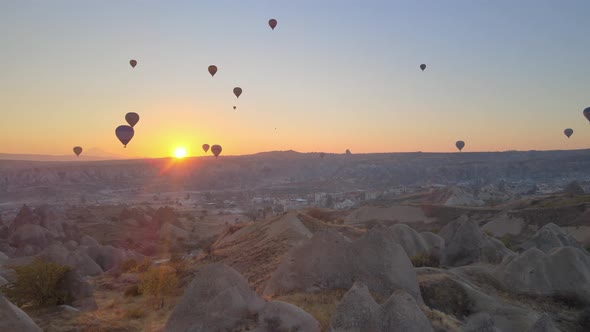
(252, 214)
(573, 189)
(329, 201)
(158, 281)
(38, 284)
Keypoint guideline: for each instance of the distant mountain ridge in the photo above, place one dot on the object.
(42, 157)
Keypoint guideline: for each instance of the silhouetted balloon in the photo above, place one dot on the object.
(205, 147)
(568, 132)
(124, 134)
(235, 107)
(216, 149)
(212, 70)
(77, 150)
(132, 118)
(272, 23)
(348, 152)
(422, 66)
(133, 63)
(587, 113)
(460, 145)
(237, 92)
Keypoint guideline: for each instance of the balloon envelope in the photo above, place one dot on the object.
(422, 66)
(133, 63)
(272, 23)
(216, 149)
(587, 113)
(237, 92)
(132, 118)
(568, 132)
(460, 145)
(124, 134)
(205, 147)
(235, 107)
(77, 150)
(212, 70)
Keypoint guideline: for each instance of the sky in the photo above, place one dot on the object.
(334, 75)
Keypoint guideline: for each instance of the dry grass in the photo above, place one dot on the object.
(320, 305)
(441, 321)
(116, 312)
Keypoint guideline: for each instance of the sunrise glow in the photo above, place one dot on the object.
(180, 153)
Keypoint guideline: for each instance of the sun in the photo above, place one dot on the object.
(180, 153)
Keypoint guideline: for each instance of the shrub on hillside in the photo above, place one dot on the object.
(207, 245)
(135, 313)
(573, 189)
(158, 281)
(320, 214)
(182, 268)
(425, 260)
(128, 265)
(508, 241)
(584, 319)
(132, 291)
(143, 266)
(37, 284)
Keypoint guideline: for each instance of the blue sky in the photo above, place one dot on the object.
(334, 75)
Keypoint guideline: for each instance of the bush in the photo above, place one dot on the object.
(182, 268)
(129, 265)
(158, 281)
(573, 189)
(584, 319)
(132, 291)
(320, 214)
(143, 266)
(508, 241)
(175, 258)
(425, 260)
(37, 284)
(135, 313)
(207, 245)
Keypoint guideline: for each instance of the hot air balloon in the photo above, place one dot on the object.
(216, 149)
(133, 63)
(132, 118)
(235, 107)
(124, 134)
(587, 113)
(205, 147)
(460, 145)
(422, 66)
(272, 23)
(77, 150)
(212, 70)
(568, 132)
(348, 152)
(237, 92)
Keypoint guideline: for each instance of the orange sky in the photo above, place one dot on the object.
(329, 78)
